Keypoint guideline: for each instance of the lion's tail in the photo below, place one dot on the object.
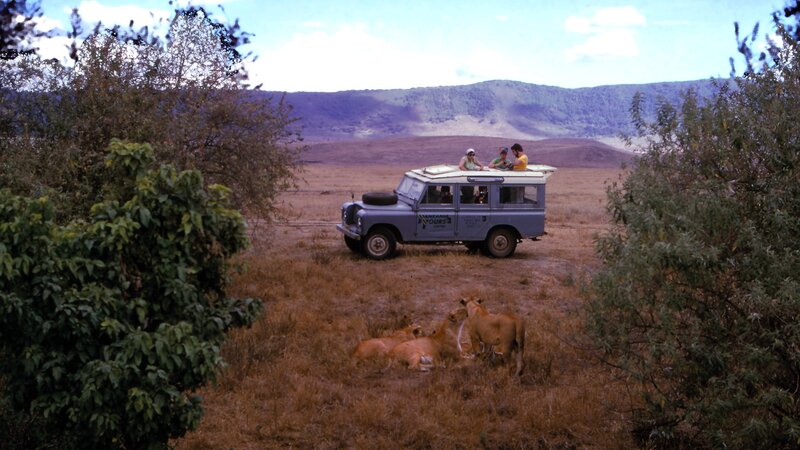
(520, 341)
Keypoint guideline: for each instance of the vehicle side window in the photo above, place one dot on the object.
(527, 196)
(511, 195)
(438, 195)
(532, 195)
(474, 195)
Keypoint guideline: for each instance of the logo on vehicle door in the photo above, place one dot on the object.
(434, 220)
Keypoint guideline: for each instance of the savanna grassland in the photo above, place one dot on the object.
(290, 381)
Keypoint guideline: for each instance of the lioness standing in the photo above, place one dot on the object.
(502, 333)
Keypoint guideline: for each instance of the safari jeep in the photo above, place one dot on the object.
(489, 210)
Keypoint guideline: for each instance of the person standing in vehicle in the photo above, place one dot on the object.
(501, 162)
(520, 158)
(470, 162)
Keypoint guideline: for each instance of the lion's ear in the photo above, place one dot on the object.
(464, 301)
(417, 331)
(480, 301)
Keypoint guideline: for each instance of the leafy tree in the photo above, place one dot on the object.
(17, 26)
(186, 97)
(107, 326)
(788, 19)
(230, 36)
(699, 296)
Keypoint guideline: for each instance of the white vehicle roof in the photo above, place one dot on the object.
(534, 174)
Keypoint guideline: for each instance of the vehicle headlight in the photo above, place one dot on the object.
(358, 223)
(344, 214)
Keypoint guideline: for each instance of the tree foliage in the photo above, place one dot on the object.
(107, 326)
(756, 56)
(18, 27)
(699, 296)
(186, 97)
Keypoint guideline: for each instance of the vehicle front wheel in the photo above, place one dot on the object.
(353, 244)
(380, 243)
(500, 243)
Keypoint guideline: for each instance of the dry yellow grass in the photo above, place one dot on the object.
(291, 383)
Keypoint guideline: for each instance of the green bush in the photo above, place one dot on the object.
(107, 326)
(699, 297)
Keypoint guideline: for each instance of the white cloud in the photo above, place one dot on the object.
(612, 33)
(54, 47)
(185, 3)
(488, 64)
(353, 57)
(771, 39)
(604, 19)
(501, 18)
(46, 24)
(608, 44)
(313, 24)
(92, 11)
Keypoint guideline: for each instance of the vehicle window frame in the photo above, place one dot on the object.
(520, 198)
(422, 203)
(471, 204)
(414, 189)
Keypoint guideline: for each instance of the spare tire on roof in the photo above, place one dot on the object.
(379, 198)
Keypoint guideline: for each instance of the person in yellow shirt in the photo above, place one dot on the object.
(520, 158)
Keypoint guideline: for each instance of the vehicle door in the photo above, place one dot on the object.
(473, 212)
(436, 213)
(522, 207)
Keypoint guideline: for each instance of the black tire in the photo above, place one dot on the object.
(500, 243)
(379, 198)
(379, 244)
(353, 244)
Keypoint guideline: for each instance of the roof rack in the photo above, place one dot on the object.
(439, 169)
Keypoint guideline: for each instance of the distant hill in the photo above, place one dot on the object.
(507, 109)
(412, 152)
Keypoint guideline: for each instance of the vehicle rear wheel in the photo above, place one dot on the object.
(353, 244)
(380, 243)
(500, 243)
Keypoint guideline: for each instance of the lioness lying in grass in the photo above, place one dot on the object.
(424, 353)
(377, 347)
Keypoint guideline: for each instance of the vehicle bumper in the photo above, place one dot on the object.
(348, 231)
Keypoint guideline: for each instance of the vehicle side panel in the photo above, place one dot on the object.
(474, 219)
(401, 219)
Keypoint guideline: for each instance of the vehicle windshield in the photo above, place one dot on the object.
(410, 188)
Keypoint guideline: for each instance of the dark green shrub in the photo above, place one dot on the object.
(107, 326)
(699, 297)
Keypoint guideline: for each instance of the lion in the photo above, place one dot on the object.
(501, 333)
(424, 353)
(378, 347)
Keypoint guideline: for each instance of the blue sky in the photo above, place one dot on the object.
(334, 45)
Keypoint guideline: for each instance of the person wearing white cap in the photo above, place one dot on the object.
(470, 161)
